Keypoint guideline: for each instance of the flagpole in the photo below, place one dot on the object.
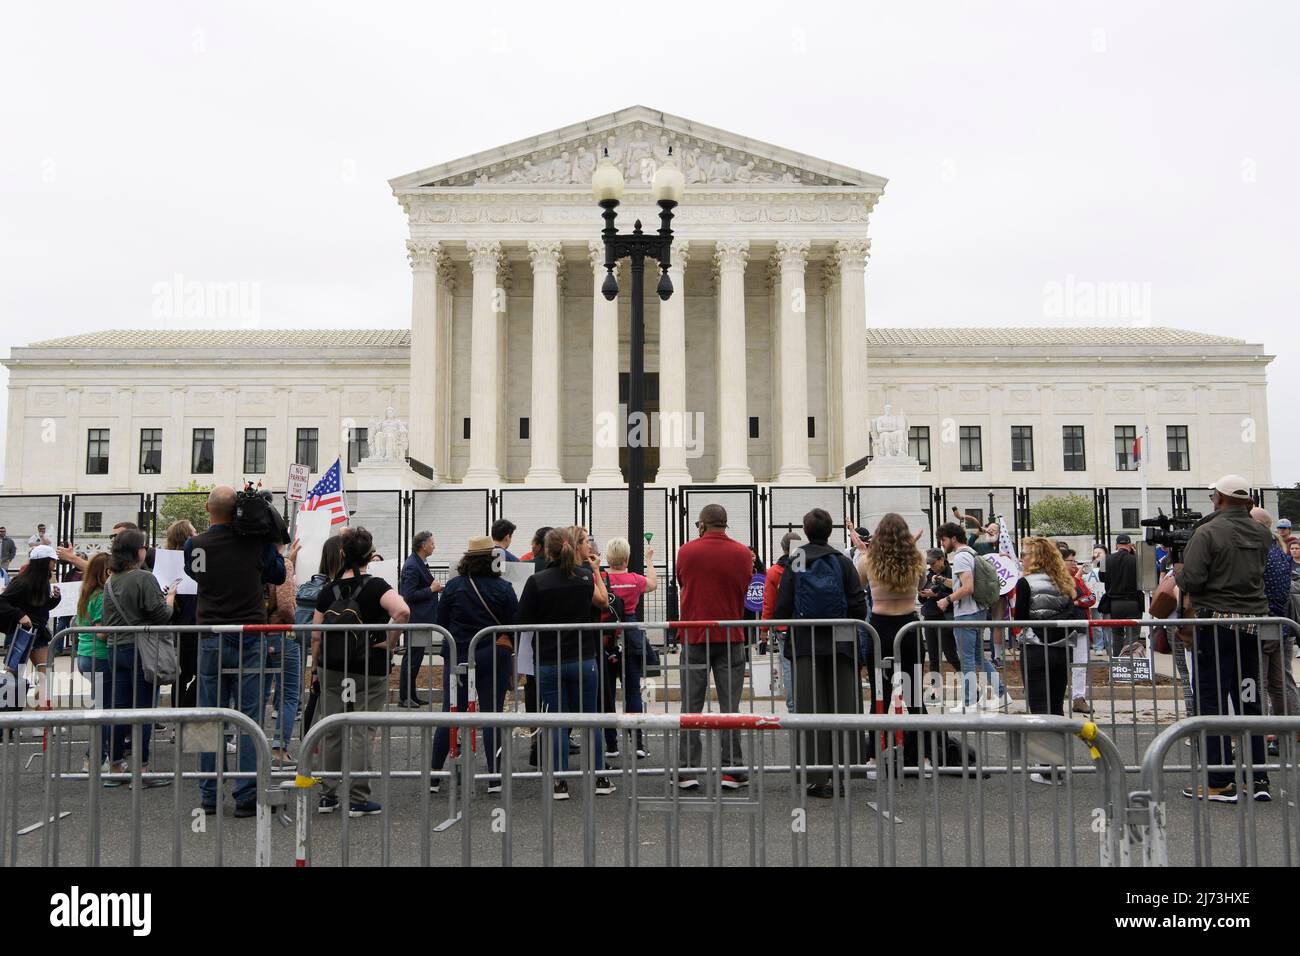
(1145, 450)
(343, 494)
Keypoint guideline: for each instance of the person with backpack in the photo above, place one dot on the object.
(132, 597)
(821, 582)
(353, 666)
(305, 598)
(977, 589)
(713, 573)
(477, 597)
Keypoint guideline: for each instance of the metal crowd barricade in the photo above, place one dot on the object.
(870, 818)
(1131, 694)
(57, 792)
(1261, 802)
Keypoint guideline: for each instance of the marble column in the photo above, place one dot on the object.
(485, 387)
(792, 255)
(544, 414)
(441, 411)
(733, 426)
(830, 286)
(426, 347)
(124, 452)
(674, 420)
(606, 426)
(851, 260)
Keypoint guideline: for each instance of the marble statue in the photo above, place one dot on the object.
(387, 437)
(889, 435)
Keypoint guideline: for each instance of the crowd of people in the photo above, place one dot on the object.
(948, 598)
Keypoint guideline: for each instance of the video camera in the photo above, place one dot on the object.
(1171, 531)
(256, 517)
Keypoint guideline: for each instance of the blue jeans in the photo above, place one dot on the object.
(787, 675)
(99, 672)
(494, 668)
(286, 651)
(569, 687)
(629, 671)
(230, 675)
(129, 689)
(970, 647)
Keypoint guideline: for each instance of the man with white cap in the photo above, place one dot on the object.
(1222, 575)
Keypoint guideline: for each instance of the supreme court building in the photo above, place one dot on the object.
(763, 366)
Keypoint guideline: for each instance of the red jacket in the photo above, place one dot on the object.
(714, 573)
(772, 584)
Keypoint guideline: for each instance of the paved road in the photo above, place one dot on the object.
(933, 820)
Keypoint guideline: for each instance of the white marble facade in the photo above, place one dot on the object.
(769, 322)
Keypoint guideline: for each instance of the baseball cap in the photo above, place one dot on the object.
(1123, 539)
(1284, 523)
(1232, 486)
(42, 551)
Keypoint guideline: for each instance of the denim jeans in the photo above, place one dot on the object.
(493, 669)
(99, 672)
(569, 687)
(970, 647)
(230, 675)
(787, 675)
(128, 688)
(629, 672)
(286, 651)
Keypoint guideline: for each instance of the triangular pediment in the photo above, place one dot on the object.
(638, 140)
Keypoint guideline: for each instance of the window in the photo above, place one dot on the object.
(201, 456)
(97, 451)
(308, 448)
(976, 513)
(464, 429)
(1180, 458)
(359, 445)
(918, 444)
(1072, 448)
(753, 426)
(151, 451)
(523, 428)
(1125, 437)
(1022, 447)
(1128, 518)
(93, 522)
(972, 453)
(254, 451)
(812, 427)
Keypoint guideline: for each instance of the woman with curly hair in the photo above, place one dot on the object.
(893, 567)
(1045, 592)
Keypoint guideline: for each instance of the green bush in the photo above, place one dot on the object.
(184, 504)
(1062, 514)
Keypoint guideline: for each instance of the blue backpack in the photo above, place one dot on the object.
(819, 589)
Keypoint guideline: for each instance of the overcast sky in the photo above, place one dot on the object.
(1025, 144)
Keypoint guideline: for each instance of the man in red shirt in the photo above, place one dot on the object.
(713, 573)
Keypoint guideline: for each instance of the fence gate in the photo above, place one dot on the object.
(533, 508)
(786, 506)
(452, 516)
(1123, 510)
(914, 502)
(93, 516)
(984, 502)
(1074, 514)
(742, 504)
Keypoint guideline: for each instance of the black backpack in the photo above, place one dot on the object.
(346, 650)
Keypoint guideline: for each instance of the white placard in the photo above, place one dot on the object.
(69, 591)
(389, 569)
(170, 565)
(1008, 569)
(517, 572)
(313, 529)
(297, 483)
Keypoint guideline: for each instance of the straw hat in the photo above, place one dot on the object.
(480, 544)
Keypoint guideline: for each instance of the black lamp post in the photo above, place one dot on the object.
(607, 189)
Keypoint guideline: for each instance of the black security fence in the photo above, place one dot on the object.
(758, 515)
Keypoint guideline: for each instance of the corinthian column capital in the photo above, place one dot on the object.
(545, 254)
(422, 253)
(852, 253)
(731, 254)
(792, 253)
(484, 254)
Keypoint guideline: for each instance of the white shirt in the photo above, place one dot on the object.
(36, 540)
(963, 562)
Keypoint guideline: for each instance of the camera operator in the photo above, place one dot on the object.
(1222, 576)
(231, 570)
(1123, 600)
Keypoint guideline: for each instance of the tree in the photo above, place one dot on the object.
(1062, 514)
(1288, 502)
(185, 504)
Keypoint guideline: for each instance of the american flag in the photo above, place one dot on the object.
(327, 494)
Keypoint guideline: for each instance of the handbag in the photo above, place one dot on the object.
(503, 640)
(155, 650)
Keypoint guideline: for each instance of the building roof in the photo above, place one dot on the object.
(190, 339)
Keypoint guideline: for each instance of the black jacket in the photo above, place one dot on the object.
(821, 640)
(1119, 574)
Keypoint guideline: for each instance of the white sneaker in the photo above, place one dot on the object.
(871, 768)
(231, 747)
(996, 703)
(1039, 778)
